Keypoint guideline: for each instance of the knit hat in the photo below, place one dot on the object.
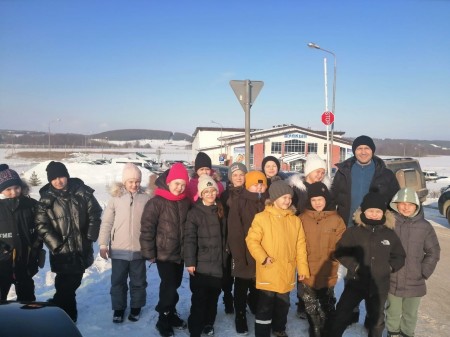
(235, 167)
(373, 200)
(204, 182)
(318, 189)
(177, 171)
(270, 158)
(55, 169)
(314, 162)
(255, 177)
(363, 140)
(131, 171)
(202, 160)
(278, 189)
(406, 194)
(8, 178)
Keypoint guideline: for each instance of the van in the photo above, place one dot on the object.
(409, 174)
(430, 175)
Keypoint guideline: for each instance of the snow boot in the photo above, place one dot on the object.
(176, 322)
(118, 316)
(208, 330)
(241, 323)
(134, 315)
(163, 325)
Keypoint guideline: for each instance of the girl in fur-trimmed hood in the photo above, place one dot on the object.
(119, 239)
(370, 251)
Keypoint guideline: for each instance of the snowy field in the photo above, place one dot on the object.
(94, 309)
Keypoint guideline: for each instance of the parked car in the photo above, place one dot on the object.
(444, 203)
(409, 174)
(223, 170)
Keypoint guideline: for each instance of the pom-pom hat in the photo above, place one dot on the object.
(8, 178)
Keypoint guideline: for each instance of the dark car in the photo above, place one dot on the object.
(223, 170)
(444, 203)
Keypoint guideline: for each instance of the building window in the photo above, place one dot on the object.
(325, 148)
(342, 154)
(275, 147)
(312, 148)
(294, 146)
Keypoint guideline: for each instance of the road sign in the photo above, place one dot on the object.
(243, 89)
(328, 118)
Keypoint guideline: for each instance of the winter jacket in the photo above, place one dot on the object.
(322, 230)
(422, 254)
(162, 226)
(300, 186)
(121, 223)
(19, 241)
(278, 234)
(229, 195)
(370, 254)
(240, 218)
(69, 222)
(204, 240)
(383, 180)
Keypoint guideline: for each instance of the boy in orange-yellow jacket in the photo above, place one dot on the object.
(276, 240)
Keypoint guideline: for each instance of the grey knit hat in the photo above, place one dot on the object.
(406, 194)
(279, 188)
(236, 166)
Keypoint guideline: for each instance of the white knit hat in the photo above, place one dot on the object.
(314, 162)
(204, 182)
(131, 171)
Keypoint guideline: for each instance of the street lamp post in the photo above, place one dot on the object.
(333, 106)
(49, 133)
(221, 129)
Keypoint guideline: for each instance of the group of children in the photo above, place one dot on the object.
(250, 233)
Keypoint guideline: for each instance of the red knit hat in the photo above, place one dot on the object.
(177, 171)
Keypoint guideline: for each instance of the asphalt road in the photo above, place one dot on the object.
(434, 310)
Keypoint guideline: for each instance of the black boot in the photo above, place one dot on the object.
(241, 323)
(262, 330)
(176, 322)
(163, 325)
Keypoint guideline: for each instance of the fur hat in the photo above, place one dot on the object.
(8, 178)
(56, 169)
(202, 160)
(177, 171)
(363, 140)
(270, 158)
(204, 182)
(255, 177)
(279, 188)
(406, 194)
(131, 171)
(314, 162)
(374, 200)
(235, 167)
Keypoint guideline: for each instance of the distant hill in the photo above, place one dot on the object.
(385, 147)
(20, 137)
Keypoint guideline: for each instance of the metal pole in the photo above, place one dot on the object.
(333, 107)
(247, 123)
(326, 109)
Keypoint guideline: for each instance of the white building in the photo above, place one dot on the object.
(289, 143)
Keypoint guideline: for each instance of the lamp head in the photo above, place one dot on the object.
(313, 45)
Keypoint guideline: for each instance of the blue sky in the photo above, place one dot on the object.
(105, 65)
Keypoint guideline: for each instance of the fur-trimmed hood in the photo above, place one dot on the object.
(390, 219)
(298, 180)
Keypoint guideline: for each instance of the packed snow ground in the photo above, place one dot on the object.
(94, 308)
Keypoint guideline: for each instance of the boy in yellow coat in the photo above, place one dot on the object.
(276, 241)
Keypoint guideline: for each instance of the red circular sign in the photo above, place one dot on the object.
(328, 118)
